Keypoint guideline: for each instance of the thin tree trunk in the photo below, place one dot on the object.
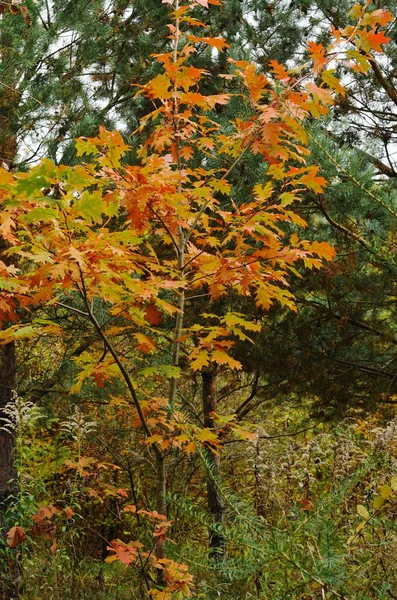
(162, 509)
(217, 542)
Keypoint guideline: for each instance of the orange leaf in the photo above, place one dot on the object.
(215, 42)
(45, 512)
(371, 40)
(377, 17)
(243, 434)
(16, 536)
(224, 359)
(279, 71)
(307, 504)
(68, 512)
(186, 152)
(145, 344)
(317, 54)
(6, 227)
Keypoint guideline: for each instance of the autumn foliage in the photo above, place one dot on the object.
(147, 240)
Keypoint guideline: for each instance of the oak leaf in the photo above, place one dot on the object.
(373, 40)
(15, 536)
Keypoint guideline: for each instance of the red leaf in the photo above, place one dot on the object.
(99, 378)
(307, 504)
(152, 314)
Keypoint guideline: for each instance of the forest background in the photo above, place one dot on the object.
(198, 359)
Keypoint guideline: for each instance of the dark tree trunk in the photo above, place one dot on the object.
(217, 542)
(7, 385)
(9, 101)
(9, 568)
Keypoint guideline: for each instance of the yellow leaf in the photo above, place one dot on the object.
(231, 319)
(145, 344)
(333, 82)
(207, 435)
(224, 359)
(263, 192)
(201, 360)
(378, 502)
(385, 491)
(154, 439)
(190, 448)
(362, 511)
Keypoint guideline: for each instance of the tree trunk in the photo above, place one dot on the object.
(161, 509)
(7, 441)
(9, 100)
(217, 542)
(9, 569)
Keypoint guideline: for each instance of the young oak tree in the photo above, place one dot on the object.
(65, 68)
(146, 241)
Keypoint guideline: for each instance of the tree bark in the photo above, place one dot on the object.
(9, 101)
(217, 542)
(9, 570)
(161, 509)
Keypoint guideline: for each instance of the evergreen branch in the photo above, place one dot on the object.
(348, 232)
(351, 177)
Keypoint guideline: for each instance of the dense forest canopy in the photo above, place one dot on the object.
(198, 299)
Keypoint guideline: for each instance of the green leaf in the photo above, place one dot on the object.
(16, 332)
(126, 237)
(166, 370)
(84, 146)
(40, 214)
(91, 206)
(31, 184)
(287, 198)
